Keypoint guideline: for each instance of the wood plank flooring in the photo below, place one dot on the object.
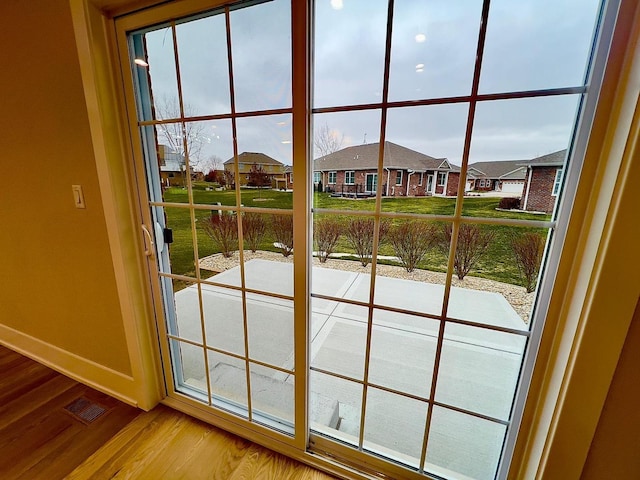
(40, 440)
(166, 444)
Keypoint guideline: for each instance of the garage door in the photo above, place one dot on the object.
(512, 187)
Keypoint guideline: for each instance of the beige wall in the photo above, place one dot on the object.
(615, 450)
(58, 281)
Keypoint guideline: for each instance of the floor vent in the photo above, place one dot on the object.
(85, 410)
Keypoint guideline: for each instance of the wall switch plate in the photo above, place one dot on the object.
(78, 196)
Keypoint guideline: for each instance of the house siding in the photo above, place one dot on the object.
(540, 188)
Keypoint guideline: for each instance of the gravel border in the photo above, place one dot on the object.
(517, 296)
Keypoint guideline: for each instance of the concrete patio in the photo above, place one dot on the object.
(478, 371)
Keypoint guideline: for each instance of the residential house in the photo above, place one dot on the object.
(172, 167)
(544, 177)
(499, 176)
(286, 181)
(353, 171)
(249, 160)
(92, 317)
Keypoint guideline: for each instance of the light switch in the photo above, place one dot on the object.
(78, 196)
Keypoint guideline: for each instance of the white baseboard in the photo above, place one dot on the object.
(104, 379)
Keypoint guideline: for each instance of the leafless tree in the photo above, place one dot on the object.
(327, 141)
(212, 162)
(181, 137)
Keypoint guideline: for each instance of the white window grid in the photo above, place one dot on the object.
(457, 219)
(349, 177)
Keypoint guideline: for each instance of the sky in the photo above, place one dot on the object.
(530, 45)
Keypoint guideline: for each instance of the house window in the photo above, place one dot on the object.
(349, 177)
(371, 393)
(421, 179)
(291, 177)
(557, 181)
(317, 177)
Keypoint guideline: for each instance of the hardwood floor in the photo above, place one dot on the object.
(166, 444)
(39, 439)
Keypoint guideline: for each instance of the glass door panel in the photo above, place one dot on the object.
(223, 229)
(428, 250)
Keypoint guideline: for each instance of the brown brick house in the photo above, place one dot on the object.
(499, 176)
(544, 177)
(353, 171)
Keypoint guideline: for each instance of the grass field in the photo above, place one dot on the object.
(497, 264)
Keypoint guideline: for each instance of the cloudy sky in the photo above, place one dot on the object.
(531, 44)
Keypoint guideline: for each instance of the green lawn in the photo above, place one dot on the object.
(497, 264)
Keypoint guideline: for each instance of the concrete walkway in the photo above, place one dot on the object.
(478, 370)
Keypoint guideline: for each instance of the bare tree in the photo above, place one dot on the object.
(212, 162)
(181, 137)
(327, 141)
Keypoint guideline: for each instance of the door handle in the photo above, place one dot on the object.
(148, 251)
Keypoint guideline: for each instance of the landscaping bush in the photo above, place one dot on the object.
(509, 203)
(473, 242)
(411, 241)
(254, 228)
(527, 250)
(282, 227)
(223, 230)
(359, 232)
(326, 232)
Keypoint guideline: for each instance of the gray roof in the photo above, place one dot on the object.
(365, 157)
(498, 169)
(555, 159)
(254, 157)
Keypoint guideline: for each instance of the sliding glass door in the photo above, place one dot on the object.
(389, 318)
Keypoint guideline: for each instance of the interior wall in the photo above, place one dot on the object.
(614, 450)
(58, 282)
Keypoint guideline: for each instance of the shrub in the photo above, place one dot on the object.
(223, 230)
(282, 226)
(211, 176)
(326, 232)
(509, 203)
(360, 232)
(527, 250)
(411, 241)
(473, 242)
(254, 228)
